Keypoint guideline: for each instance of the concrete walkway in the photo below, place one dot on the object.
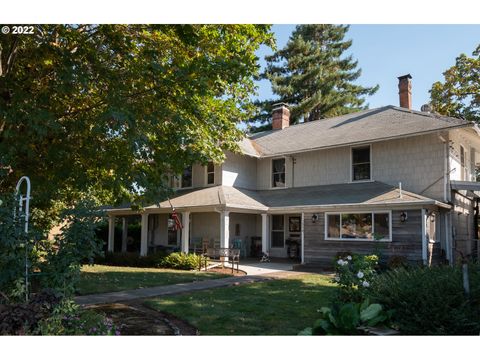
(255, 272)
(254, 267)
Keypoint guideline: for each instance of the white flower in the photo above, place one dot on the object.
(360, 274)
(337, 278)
(349, 257)
(366, 284)
(340, 262)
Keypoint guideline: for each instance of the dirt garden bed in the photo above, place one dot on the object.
(136, 319)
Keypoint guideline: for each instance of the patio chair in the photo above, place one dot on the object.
(240, 244)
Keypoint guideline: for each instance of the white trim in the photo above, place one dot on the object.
(424, 237)
(206, 175)
(351, 163)
(271, 187)
(373, 212)
(144, 235)
(111, 233)
(463, 169)
(302, 223)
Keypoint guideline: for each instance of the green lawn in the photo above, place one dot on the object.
(278, 307)
(100, 278)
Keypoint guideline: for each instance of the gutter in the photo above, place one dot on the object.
(364, 142)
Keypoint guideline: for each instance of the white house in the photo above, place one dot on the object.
(391, 175)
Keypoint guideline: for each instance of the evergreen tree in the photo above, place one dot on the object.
(313, 76)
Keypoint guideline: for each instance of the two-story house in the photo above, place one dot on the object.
(392, 176)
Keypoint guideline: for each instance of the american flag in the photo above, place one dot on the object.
(178, 224)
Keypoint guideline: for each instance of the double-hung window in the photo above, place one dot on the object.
(187, 177)
(210, 173)
(358, 226)
(361, 164)
(278, 173)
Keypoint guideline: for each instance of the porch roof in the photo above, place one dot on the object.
(214, 196)
(362, 194)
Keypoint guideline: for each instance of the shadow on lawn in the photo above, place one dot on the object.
(278, 307)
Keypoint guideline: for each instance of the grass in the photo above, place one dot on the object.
(278, 307)
(101, 278)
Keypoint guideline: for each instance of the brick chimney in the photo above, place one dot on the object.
(280, 116)
(405, 91)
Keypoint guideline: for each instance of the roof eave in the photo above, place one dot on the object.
(365, 141)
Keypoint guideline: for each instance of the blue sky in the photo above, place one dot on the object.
(385, 52)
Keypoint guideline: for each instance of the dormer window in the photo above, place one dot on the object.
(278, 173)
(361, 169)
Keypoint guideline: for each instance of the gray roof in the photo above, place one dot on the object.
(360, 127)
(223, 196)
(363, 193)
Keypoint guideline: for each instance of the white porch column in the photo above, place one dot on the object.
(264, 233)
(224, 229)
(111, 233)
(302, 239)
(424, 236)
(124, 234)
(185, 231)
(144, 235)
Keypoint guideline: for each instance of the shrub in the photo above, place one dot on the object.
(18, 319)
(430, 301)
(68, 319)
(397, 261)
(348, 319)
(354, 274)
(131, 259)
(181, 261)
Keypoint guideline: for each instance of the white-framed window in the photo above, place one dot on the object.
(278, 173)
(210, 170)
(183, 180)
(278, 231)
(361, 163)
(359, 226)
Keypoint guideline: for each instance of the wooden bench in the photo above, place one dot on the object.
(221, 255)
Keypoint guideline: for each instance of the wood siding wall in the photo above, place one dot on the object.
(406, 240)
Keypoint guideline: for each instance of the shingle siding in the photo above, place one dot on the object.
(417, 162)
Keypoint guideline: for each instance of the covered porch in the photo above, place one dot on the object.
(221, 216)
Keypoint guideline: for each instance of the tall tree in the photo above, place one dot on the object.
(459, 93)
(108, 110)
(313, 75)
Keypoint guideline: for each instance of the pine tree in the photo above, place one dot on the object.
(312, 75)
